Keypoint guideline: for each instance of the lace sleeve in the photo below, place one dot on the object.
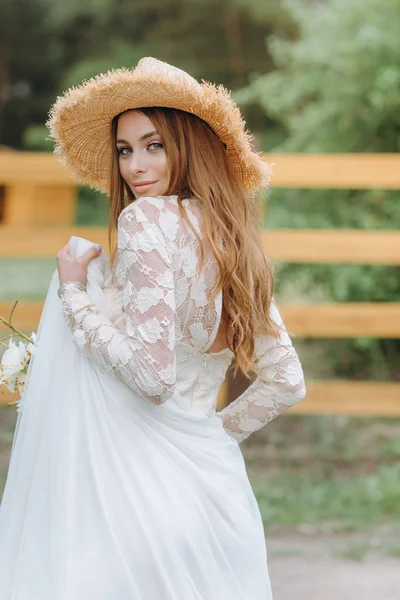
(279, 385)
(143, 355)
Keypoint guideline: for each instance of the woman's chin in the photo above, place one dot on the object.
(150, 194)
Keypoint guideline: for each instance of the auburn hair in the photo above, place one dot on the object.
(199, 167)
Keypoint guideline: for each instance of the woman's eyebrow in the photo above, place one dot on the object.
(144, 137)
(148, 135)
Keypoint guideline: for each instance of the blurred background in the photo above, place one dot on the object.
(314, 78)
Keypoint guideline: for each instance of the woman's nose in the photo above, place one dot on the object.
(136, 164)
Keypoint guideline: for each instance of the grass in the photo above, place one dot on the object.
(355, 551)
(393, 549)
(25, 279)
(305, 479)
(345, 503)
(332, 473)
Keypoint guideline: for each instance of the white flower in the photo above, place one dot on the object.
(150, 331)
(198, 292)
(189, 261)
(169, 223)
(200, 336)
(11, 365)
(148, 297)
(15, 360)
(145, 269)
(14, 364)
(21, 383)
(25, 352)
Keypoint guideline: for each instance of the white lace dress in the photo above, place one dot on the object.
(148, 492)
(159, 347)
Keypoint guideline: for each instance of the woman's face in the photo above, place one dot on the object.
(141, 155)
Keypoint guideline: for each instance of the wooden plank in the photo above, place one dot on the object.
(33, 168)
(345, 246)
(29, 205)
(25, 318)
(335, 171)
(367, 398)
(6, 396)
(347, 320)
(287, 245)
(44, 242)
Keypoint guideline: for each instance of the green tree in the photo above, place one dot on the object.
(28, 66)
(336, 88)
(86, 37)
(48, 45)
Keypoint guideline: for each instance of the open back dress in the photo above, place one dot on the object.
(125, 482)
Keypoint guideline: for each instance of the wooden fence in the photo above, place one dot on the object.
(37, 220)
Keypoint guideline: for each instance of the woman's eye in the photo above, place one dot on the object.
(121, 151)
(155, 146)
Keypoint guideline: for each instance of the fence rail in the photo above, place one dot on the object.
(38, 215)
(286, 245)
(335, 171)
(329, 397)
(376, 320)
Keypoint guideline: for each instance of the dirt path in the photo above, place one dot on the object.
(346, 568)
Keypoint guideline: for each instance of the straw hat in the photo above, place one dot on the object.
(80, 120)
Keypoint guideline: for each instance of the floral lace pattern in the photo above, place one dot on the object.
(278, 386)
(165, 300)
(168, 320)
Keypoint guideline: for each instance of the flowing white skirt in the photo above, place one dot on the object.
(109, 497)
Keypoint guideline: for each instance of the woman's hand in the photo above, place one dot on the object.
(75, 269)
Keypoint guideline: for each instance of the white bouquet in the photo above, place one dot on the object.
(15, 360)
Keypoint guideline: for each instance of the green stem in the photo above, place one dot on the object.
(8, 324)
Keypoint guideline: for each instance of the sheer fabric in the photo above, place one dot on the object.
(124, 482)
(167, 318)
(278, 386)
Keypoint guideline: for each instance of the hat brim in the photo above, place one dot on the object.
(80, 120)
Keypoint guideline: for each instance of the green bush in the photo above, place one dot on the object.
(337, 89)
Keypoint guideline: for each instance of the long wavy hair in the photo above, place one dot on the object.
(199, 167)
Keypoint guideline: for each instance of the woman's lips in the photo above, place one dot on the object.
(143, 187)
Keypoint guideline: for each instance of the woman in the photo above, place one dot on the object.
(172, 513)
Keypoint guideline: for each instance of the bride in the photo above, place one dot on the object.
(125, 482)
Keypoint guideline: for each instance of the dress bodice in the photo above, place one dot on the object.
(160, 322)
(198, 374)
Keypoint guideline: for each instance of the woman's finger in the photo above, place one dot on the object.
(64, 251)
(93, 252)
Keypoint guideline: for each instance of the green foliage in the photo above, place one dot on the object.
(339, 473)
(350, 502)
(336, 88)
(121, 54)
(36, 138)
(93, 208)
(48, 45)
(28, 67)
